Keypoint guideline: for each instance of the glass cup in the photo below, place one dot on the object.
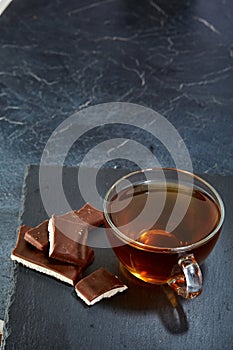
(162, 224)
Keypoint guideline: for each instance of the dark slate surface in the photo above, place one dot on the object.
(57, 57)
(46, 314)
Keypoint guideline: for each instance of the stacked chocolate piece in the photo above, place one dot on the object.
(58, 247)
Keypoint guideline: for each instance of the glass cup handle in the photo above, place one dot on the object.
(188, 285)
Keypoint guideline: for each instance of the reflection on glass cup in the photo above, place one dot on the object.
(162, 224)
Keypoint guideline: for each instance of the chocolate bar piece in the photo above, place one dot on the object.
(98, 285)
(1, 330)
(39, 261)
(87, 215)
(71, 216)
(91, 215)
(38, 236)
(67, 241)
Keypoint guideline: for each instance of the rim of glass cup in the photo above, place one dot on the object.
(180, 249)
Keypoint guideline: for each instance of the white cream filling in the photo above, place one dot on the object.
(42, 269)
(107, 294)
(3, 5)
(1, 326)
(51, 229)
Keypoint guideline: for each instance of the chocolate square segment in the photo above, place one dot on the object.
(38, 260)
(67, 241)
(38, 236)
(98, 285)
(87, 216)
(91, 215)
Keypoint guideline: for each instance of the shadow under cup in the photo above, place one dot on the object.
(162, 224)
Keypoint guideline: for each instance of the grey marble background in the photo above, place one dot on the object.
(58, 57)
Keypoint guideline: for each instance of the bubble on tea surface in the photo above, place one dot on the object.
(158, 238)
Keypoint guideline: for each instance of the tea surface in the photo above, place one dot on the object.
(164, 216)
